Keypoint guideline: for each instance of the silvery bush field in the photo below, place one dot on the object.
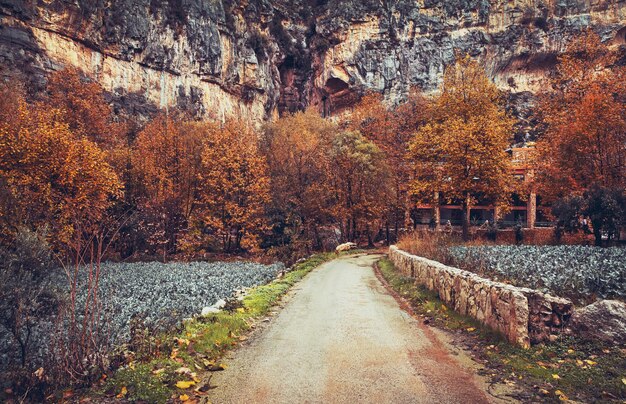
(161, 295)
(581, 273)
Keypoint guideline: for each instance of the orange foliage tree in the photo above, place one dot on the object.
(297, 151)
(51, 177)
(234, 188)
(360, 180)
(461, 150)
(391, 130)
(585, 141)
(85, 109)
(166, 164)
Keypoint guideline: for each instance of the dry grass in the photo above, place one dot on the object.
(435, 245)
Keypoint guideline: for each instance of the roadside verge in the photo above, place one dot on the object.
(178, 365)
(565, 369)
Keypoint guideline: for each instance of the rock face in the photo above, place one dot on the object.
(256, 58)
(604, 320)
(522, 315)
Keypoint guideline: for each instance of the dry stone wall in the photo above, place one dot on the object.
(521, 315)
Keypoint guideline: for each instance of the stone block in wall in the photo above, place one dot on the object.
(549, 315)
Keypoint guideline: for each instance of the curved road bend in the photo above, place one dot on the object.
(341, 338)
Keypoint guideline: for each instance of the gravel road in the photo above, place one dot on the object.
(341, 338)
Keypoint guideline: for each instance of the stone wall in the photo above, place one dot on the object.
(521, 315)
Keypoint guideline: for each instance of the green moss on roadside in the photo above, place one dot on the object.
(138, 384)
(201, 342)
(586, 371)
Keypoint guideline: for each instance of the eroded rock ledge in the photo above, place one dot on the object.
(257, 58)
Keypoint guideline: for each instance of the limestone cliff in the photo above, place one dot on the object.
(257, 58)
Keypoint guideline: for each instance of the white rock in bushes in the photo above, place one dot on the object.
(604, 320)
(345, 247)
(220, 304)
(209, 310)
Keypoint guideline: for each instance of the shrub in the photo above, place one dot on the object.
(24, 294)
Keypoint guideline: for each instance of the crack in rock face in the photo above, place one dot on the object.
(255, 59)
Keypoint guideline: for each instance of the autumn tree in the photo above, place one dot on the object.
(585, 113)
(84, 107)
(297, 151)
(166, 164)
(234, 190)
(51, 177)
(360, 179)
(391, 129)
(460, 152)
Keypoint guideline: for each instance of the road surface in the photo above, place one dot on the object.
(341, 338)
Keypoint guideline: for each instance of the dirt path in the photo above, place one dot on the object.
(341, 338)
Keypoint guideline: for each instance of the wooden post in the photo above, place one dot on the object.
(531, 210)
(437, 211)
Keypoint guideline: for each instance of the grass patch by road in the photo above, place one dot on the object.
(179, 364)
(566, 369)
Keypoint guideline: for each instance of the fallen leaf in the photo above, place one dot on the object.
(158, 371)
(216, 368)
(471, 329)
(183, 370)
(185, 384)
(624, 380)
(241, 310)
(182, 341)
(562, 396)
(183, 397)
(555, 376)
(39, 373)
(131, 365)
(174, 353)
(544, 392)
(590, 362)
(123, 392)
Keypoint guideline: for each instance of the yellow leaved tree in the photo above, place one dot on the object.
(461, 151)
(234, 187)
(297, 151)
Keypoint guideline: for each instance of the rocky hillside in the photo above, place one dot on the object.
(258, 58)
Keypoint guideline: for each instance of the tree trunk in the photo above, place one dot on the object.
(466, 217)
(597, 234)
(387, 235)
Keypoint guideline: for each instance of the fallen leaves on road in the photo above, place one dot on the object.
(561, 395)
(185, 384)
(123, 392)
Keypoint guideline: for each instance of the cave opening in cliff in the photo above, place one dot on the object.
(335, 85)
